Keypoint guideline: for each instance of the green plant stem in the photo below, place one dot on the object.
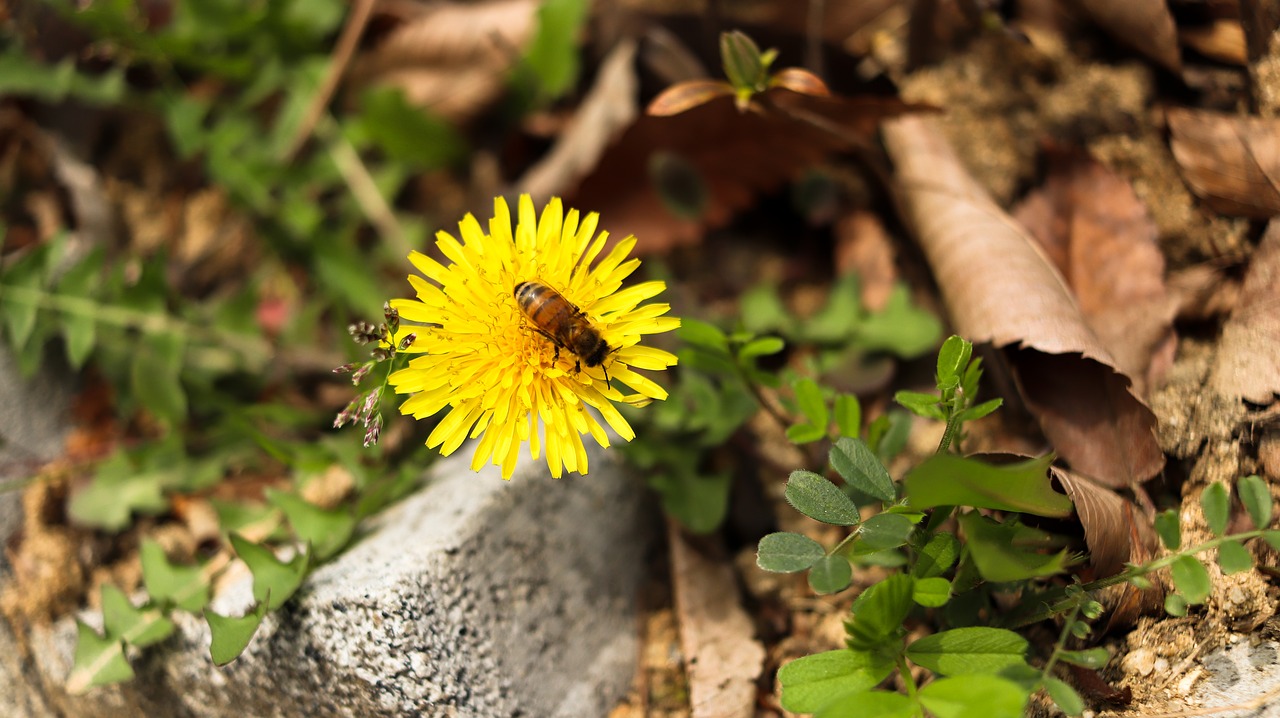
(1060, 643)
(253, 349)
(907, 679)
(1052, 609)
(756, 394)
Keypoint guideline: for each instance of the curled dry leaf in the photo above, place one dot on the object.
(1222, 40)
(1247, 365)
(724, 157)
(453, 57)
(609, 107)
(1103, 241)
(1145, 25)
(716, 634)
(1001, 288)
(1231, 162)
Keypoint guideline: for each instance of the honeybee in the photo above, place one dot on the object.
(568, 327)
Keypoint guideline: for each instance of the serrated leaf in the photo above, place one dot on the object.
(1216, 504)
(980, 696)
(953, 356)
(1064, 696)
(786, 552)
(962, 651)
(1191, 578)
(1233, 557)
(271, 576)
(811, 682)
(848, 413)
(231, 635)
(821, 500)
(830, 574)
(885, 530)
(136, 626)
(184, 586)
(859, 467)
(1091, 658)
(1169, 529)
(99, 661)
(1256, 498)
(920, 404)
(931, 592)
(937, 556)
(327, 530)
(948, 480)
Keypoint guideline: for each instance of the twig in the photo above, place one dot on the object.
(342, 54)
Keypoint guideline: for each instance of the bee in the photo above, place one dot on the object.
(568, 327)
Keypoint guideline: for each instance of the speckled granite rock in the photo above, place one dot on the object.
(474, 597)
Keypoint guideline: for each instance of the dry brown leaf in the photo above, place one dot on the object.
(1145, 25)
(728, 156)
(1002, 289)
(1247, 364)
(723, 658)
(1221, 40)
(1103, 240)
(1231, 162)
(608, 108)
(453, 57)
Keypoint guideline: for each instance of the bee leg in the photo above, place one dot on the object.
(556, 356)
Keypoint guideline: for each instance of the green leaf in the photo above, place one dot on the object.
(1216, 504)
(1233, 557)
(701, 334)
(871, 704)
(1191, 578)
(878, 615)
(154, 376)
(848, 413)
(835, 322)
(931, 592)
(920, 404)
(115, 493)
(271, 576)
(1064, 696)
(1169, 529)
(974, 413)
(409, 134)
(760, 347)
(81, 333)
(1010, 551)
(1175, 605)
(811, 682)
(327, 530)
(885, 530)
(231, 635)
(697, 500)
(553, 53)
(18, 301)
(888, 434)
(1272, 537)
(962, 651)
(819, 499)
(810, 402)
(786, 552)
(184, 586)
(981, 696)
(953, 355)
(936, 556)
(135, 626)
(1256, 498)
(99, 661)
(805, 433)
(948, 480)
(762, 310)
(1090, 658)
(900, 328)
(860, 468)
(20, 75)
(830, 574)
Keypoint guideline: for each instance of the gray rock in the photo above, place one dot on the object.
(1243, 679)
(474, 597)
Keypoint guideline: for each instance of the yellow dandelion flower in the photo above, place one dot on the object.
(508, 379)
